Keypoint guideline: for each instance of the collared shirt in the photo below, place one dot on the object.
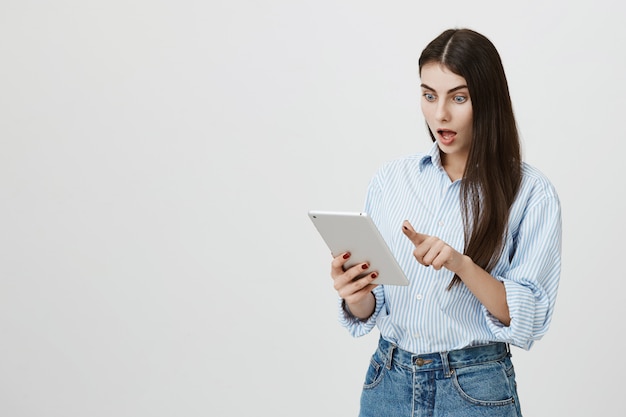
(424, 316)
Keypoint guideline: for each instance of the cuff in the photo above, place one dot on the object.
(521, 302)
(356, 326)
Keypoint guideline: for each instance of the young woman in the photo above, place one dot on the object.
(478, 233)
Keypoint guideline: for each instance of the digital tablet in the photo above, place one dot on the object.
(356, 233)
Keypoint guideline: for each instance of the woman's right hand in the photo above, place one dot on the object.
(357, 294)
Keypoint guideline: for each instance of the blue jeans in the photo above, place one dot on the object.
(476, 381)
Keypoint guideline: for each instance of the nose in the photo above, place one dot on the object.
(442, 113)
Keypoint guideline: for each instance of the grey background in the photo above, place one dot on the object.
(158, 158)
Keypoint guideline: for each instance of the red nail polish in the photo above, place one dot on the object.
(346, 255)
(364, 266)
(374, 274)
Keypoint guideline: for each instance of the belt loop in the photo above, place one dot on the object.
(445, 364)
(392, 347)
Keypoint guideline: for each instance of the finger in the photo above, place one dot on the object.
(349, 275)
(421, 250)
(435, 248)
(438, 262)
(416, 238)
(360, 295)
(419, 253)
(355, 290)
(446, 259)
(336, 266)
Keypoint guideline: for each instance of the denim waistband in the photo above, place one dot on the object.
(445, 361)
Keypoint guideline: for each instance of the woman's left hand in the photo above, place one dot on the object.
(432, 251)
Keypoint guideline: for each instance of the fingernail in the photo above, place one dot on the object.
(364, 266)
(346, 255)
(374, 274)
(405, 228)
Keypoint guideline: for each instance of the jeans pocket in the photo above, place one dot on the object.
(487, 384)
(375, 371)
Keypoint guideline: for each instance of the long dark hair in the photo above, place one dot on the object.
(492, 174)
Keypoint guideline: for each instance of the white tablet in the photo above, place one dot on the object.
(356, 233)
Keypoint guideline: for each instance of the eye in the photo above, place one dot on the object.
(429, 97)
(459, 99)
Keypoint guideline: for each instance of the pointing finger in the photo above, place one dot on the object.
(416, 238)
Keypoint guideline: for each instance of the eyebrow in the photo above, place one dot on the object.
(452, 90)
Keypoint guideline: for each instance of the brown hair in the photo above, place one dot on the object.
(492, 174)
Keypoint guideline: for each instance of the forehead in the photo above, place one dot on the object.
(438, 77)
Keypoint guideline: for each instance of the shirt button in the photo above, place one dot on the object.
(440, 222)
(419, 296)
(416, 335)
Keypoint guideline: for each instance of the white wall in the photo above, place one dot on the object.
(158, 158)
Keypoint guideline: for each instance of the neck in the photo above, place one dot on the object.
(454, 166)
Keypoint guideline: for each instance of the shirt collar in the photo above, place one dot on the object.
(433, 156)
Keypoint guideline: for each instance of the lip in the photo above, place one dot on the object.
(446, 136)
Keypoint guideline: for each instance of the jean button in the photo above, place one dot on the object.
(419, 361)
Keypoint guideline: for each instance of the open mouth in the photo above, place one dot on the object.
(446, 136)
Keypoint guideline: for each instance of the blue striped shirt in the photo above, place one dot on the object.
(424, 316)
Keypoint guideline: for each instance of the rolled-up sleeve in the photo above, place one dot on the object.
(356, 326)
(532, 279)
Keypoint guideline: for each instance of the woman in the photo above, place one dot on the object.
(478, 233)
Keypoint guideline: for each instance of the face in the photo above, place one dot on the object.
(447, 108)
